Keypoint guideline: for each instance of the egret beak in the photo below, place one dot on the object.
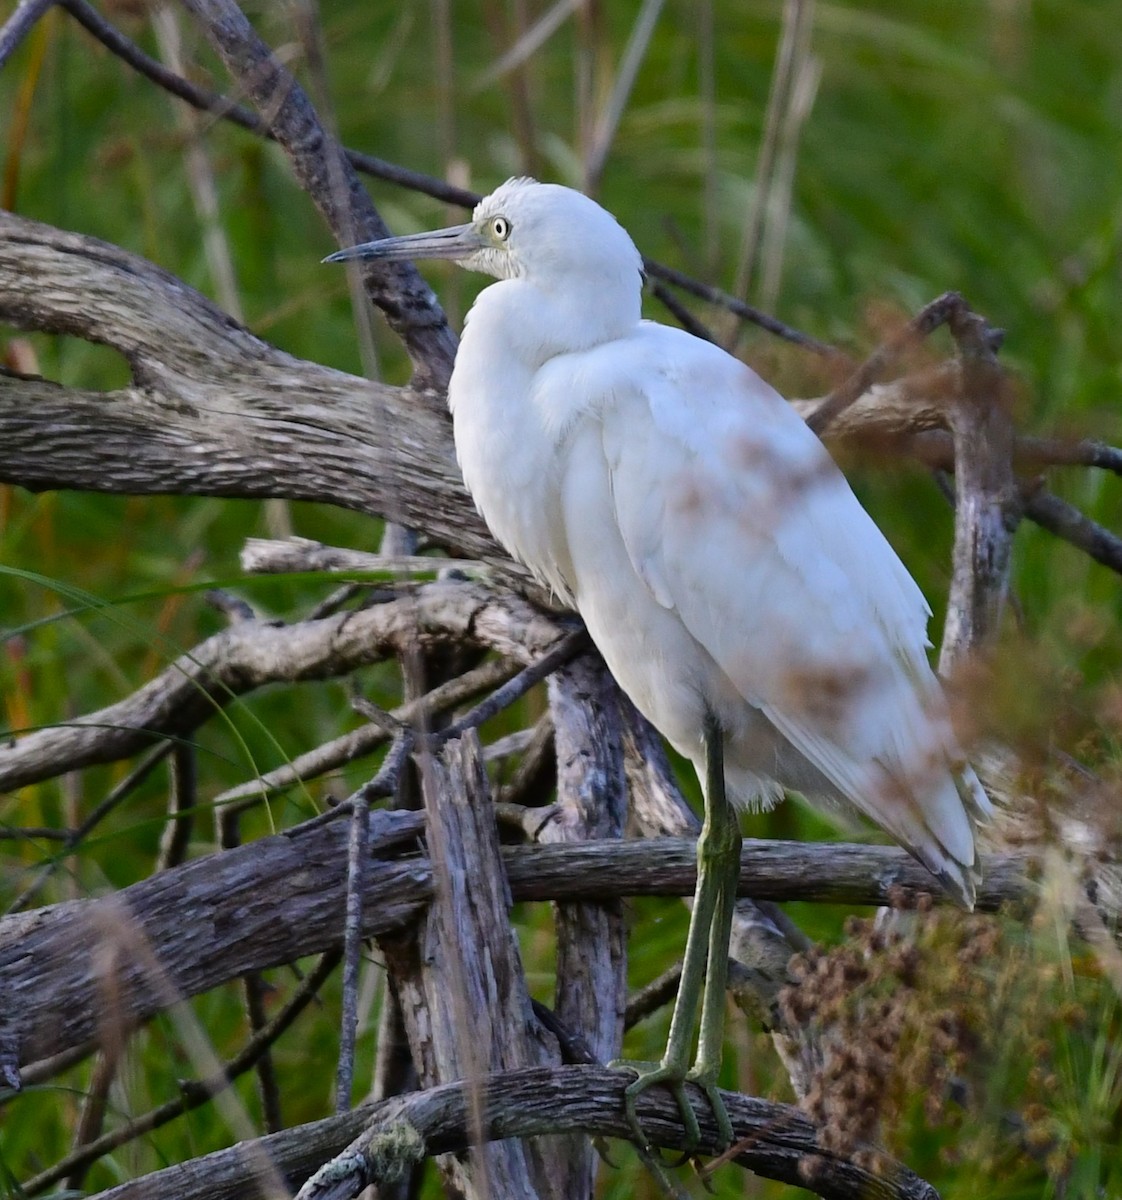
(459, 242)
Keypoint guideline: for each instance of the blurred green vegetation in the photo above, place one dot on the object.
(972, 144)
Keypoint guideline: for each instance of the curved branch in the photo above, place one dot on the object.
(20, 24)
(253, 653)
(216, 411)
(773, 1139)
(213, 410)
(776, 1140)
(325, 174)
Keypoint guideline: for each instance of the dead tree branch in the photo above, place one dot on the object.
(214, 918)
(328, 178)
(941, 311)
(459, 977)
(590, 991)
(776, 1140)
(359, 743)
(988, 502)
(252, 653)
(263, 556)
(1067, 522)
(212, 410)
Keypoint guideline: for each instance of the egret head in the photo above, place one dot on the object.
(523, 230)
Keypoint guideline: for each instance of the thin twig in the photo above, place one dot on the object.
(572, 1043)
(681, 313)
(74, 838)
(652, 996)
(569, 646)
(1082, 453)
(253, 991)
(509, 745)
(182, 794)
(383, 785)
(257, 992)
(1067, 522)
(233, 608)
(335, 600)
(714, 295)
(332, 755)
(388, 778)
(358, 851)
(537, 772)
(377, 716)
(31, 833)
(20, 24)
(95, 1103)
(943, 309)
(229, 110)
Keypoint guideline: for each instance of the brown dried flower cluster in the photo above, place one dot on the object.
(937, 1016)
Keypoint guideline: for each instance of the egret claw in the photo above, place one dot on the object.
(705, 1081)
(659, 1173)
(600, 1145)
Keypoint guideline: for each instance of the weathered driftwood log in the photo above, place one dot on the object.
(212, 409)
(213, 919)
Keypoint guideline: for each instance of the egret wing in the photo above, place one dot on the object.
(736, 518)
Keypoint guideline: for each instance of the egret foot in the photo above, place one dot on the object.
(650, 1074)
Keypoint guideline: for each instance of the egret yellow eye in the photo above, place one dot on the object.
(500, 227)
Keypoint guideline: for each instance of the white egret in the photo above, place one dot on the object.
(739, 593)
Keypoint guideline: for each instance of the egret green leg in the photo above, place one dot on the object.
(718, 864)
(725, 864)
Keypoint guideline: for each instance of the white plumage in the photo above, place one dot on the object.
(733, 583)
(716, 553)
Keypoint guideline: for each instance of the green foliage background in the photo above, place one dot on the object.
(972, 144)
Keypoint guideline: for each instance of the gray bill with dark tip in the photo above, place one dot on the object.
(460, 241)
